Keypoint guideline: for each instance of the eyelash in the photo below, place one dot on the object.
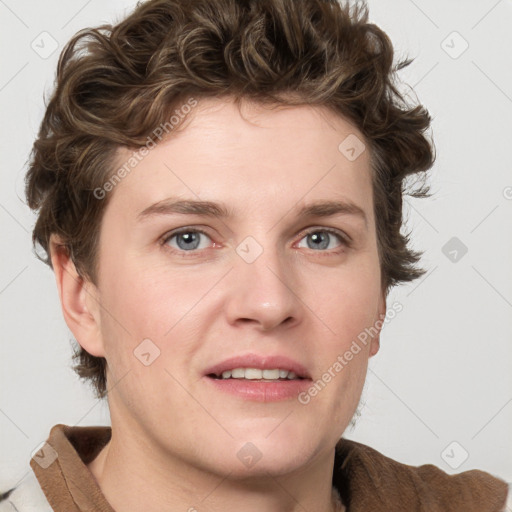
(345, 241)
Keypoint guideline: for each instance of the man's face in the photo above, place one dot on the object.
(263, 281)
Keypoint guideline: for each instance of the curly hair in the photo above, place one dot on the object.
(116, 83)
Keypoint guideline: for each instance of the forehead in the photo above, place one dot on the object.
(259, 159)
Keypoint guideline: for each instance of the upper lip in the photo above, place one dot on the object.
(261, 362)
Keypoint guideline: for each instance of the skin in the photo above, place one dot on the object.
(172, 432)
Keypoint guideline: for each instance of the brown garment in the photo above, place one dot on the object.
(366, 480)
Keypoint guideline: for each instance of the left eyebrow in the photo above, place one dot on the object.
(185, 207)
(317, 209)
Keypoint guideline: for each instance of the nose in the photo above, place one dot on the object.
(263, 292)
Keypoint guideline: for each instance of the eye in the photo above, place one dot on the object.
(186, 239)
(320, 239)
(190, 240)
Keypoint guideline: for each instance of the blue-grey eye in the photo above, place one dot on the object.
(186, 240)
(321, 239)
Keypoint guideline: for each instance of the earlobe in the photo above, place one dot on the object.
(78, 298)
(375, 343)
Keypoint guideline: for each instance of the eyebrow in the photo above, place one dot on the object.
(317, 209)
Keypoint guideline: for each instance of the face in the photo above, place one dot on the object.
(184, 290)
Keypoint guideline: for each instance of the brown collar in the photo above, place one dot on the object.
(368, 480)
(365, 479)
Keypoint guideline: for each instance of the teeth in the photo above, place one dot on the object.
(257, 374)
(253, 373)
(270, 374)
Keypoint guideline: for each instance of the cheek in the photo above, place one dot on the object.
(349, 311)
(143, 303)
(147, 300)
(350, 303)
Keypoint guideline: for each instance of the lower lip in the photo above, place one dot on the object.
(260, 391)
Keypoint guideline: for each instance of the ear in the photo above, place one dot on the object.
(381, 310)
(79, 300)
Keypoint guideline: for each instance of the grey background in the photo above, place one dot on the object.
(440, 389)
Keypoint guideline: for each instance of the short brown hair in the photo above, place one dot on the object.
(116, 84)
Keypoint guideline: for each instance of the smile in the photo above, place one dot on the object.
(257, 374)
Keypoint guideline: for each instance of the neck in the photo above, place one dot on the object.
(126, 465)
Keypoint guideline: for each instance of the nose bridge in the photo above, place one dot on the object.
(263, 289)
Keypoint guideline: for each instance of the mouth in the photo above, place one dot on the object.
(259, 378)
(257, 374)
(252, 367)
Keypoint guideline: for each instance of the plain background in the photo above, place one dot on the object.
(440, 389)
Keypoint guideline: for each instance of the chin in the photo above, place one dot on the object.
(268, 465)
(256, 453)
